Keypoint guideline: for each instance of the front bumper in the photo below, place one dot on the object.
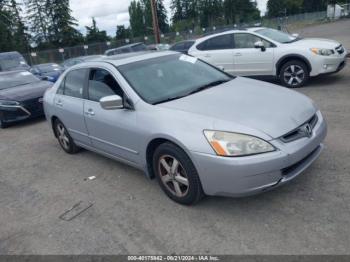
(26, 110)
(329, 65)
(238, 177)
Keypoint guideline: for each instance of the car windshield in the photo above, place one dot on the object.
(8, 63)
(171, 77)
(276, 35)
(46, 68)
(16, 79)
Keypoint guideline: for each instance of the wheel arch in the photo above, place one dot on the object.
(290, 57)
(153, 144)
(53, 119)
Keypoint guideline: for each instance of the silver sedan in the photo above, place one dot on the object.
(198, 130)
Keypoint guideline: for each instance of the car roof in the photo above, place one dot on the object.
(123, 59)
(125, 46)
(10, 53)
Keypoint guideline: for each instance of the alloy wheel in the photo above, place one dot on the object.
(173, 176)
(294, 75)
(63, 136)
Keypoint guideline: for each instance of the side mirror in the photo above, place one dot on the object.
(295, 35)
(111, 102)
(260, 45)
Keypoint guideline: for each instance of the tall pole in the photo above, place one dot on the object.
(155, 22)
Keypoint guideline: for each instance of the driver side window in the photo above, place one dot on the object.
(102, 84)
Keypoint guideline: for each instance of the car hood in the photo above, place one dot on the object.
(317, 43)
(25, 92)
(268, 108)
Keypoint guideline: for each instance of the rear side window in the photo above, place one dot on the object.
(178, 47)
(140, 47)
(74, 83)
(101, 84)
(221, 42)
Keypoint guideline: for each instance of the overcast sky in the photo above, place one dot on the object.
(109, 13)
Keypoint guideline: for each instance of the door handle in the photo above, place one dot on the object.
(59, 103)
(90, 112)
(238, 54)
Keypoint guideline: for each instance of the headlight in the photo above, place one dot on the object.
(8, 103)
(323, 52)
(233, 144)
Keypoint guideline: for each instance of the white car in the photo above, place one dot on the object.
(269, 52)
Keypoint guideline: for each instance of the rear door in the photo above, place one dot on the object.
(111, 131)
(217, 51)
(69, 104)
(249, 60)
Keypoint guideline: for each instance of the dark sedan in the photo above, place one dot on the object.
(50, 72)
(21, 96)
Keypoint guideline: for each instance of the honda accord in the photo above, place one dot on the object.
(197, 129)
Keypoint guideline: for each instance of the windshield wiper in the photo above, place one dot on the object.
(168, 100)
(199, 89)
(207, 86)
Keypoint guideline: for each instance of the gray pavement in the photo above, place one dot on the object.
(130, 214)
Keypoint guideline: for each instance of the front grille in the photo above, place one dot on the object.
(300, 131)
(34, 106)
(289, 170)
(340, 49)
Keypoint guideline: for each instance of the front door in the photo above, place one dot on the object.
(251, 61)
(110, 130)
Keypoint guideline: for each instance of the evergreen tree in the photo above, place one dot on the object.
(62, 23)
(94, 35)
(38, 20)
(122, 32)
(136, 18)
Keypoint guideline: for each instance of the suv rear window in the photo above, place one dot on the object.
(217, 43)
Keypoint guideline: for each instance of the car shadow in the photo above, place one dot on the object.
(26, 123)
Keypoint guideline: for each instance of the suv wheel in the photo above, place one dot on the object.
(177, 175)
(294, 74)
(63, 137)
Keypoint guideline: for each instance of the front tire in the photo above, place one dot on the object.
(64, 139)
(294, 74)
(177, 175)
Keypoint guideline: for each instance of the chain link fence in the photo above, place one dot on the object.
(62, 54)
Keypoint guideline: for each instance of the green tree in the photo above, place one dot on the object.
(94, 35)
(278, 8)
(122, 32)
(210, 12)
(62, 23)
(12, 29)
(136, 18)
(37, 19)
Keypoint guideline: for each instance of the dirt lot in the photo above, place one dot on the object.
(130, 214)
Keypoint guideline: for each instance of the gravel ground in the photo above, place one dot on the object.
(130, 214)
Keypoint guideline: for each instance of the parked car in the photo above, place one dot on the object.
(136, 47)
(269, 52)
(77, 60)
(159, 47)
(195, 128)
(182, 46)
(12, 61)
(21, 96)
(50, 72)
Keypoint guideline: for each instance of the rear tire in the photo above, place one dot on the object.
(294, 74)
(64, 139)
(177, 175)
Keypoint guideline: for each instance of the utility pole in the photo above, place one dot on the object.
(155, 22)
